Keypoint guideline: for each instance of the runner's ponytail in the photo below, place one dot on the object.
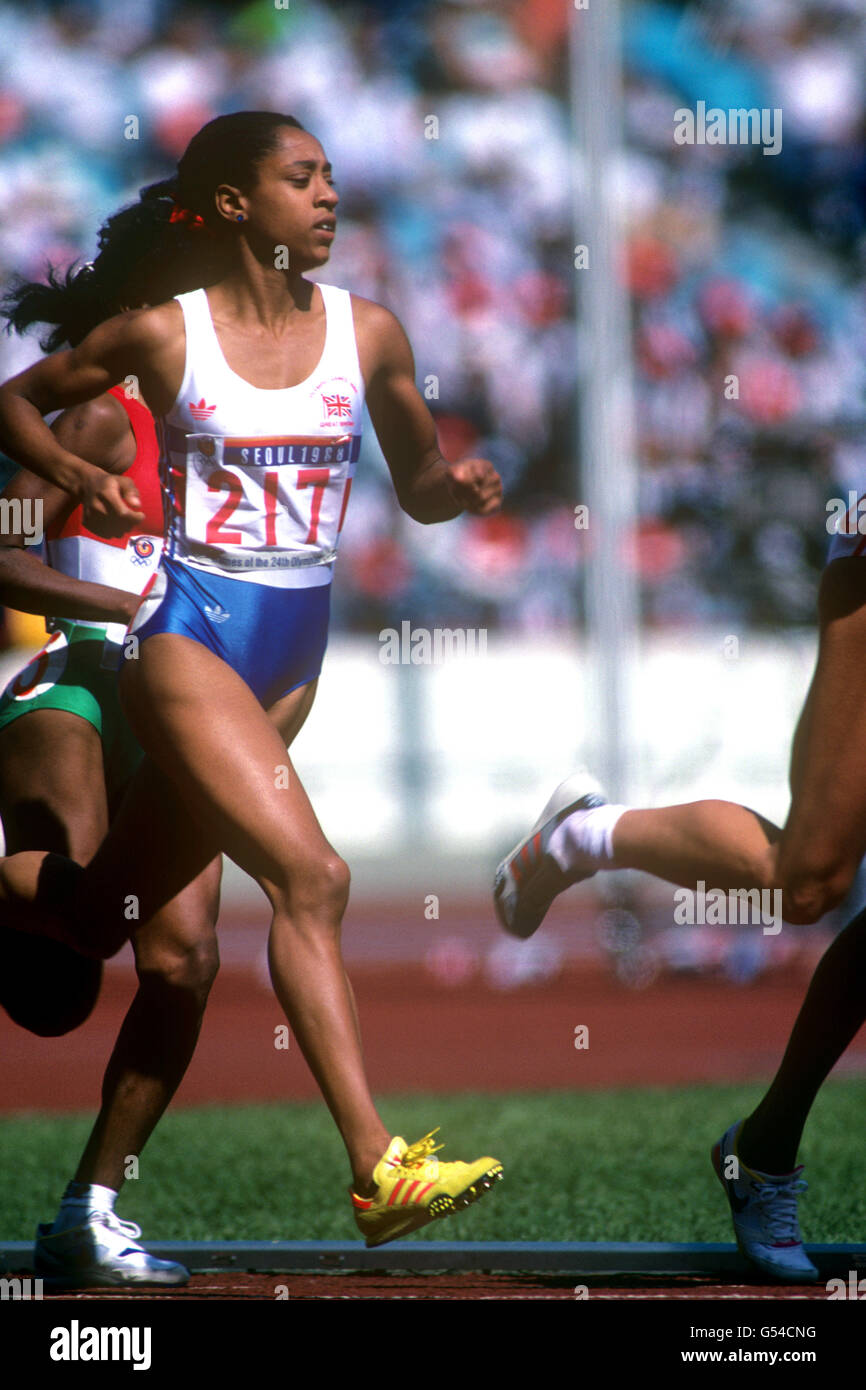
(170, 241)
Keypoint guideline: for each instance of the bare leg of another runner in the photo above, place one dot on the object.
(834, 1009)
(176, 960)
(53, 793)
(814, 859)
(52, 796)
(833, 1012)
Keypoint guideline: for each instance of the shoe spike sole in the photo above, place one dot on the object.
(446, 1205)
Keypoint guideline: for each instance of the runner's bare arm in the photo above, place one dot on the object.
(428, 487)
(99, 431)
(123, 346)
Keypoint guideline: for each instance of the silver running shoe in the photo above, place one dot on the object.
(528, 879)
(764, 1212)
(103, 1251)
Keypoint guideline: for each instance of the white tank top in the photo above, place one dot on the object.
(257, 482)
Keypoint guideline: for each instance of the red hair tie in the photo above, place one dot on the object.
(192, 219)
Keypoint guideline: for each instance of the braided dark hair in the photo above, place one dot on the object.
(147, 254)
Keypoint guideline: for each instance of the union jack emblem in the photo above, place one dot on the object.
(337, 405)
(201, 411)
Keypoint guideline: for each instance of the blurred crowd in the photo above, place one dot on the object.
(449, 128)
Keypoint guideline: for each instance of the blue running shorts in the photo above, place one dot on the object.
(274, 638)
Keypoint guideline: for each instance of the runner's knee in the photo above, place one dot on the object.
(809, 891)
(183, 959)
(317, 893)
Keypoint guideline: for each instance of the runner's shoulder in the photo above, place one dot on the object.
(380, 334)
(374, 317)
(142, 329)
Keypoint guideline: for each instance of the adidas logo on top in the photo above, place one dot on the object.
(201, 411)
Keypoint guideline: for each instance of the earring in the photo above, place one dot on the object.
(240, 217)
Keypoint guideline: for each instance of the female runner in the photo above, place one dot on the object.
(258, 383)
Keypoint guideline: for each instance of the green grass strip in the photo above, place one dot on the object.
(598, 1166)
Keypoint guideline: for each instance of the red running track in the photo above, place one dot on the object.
(422, 1035)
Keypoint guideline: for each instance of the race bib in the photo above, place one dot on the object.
(267, 502)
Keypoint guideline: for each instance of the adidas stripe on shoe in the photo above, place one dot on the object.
(529, 878)
(414, 1188)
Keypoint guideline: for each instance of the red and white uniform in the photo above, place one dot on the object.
(130, 561)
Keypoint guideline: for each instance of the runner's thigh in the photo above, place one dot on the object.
(208, 733)
(52, 784)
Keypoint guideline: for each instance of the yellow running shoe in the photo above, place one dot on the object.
(414, 1188)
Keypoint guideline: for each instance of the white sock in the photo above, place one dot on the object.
(80, 1198)
(586, 835)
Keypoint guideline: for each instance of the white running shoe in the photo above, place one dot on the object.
(529, 878)
(102, 1251)
(764, 1211)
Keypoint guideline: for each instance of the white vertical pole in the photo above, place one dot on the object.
(605, 446)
